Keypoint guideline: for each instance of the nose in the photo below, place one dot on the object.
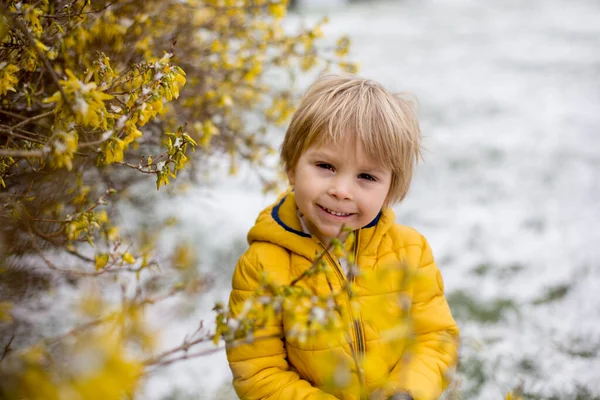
(341, 188)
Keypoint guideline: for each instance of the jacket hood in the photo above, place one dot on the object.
(279, 224)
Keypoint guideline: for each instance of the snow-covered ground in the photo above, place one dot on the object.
(508, 195)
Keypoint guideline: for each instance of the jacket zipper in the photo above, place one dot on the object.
(357, 325)
(356, 342)
(358, 322)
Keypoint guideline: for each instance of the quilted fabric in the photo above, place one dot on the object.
(398, 281)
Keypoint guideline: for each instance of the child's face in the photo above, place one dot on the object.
(337, 185)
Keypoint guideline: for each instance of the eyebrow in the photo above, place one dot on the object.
(324, 154)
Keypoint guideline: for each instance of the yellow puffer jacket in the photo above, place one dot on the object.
(282, 366)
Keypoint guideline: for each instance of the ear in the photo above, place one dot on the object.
(291, 177)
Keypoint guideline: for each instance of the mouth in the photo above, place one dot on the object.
(335, 213)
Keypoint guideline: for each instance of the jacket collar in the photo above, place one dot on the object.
(279, 224)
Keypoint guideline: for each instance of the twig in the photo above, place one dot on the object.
(142, 168)
(11, 132)
(73, 272)
(15, 115)
(234, 7)
(171, 293)
(186, 356)
(184, 347)
(32, 119)
(94, 142)
(79, 329)
(157, 362)
(21, 153)
(80, 256)
(7, 348)
(53, 267)
(88, 325)
(314, 265)
(79, 13)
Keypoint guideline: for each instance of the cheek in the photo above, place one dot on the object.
(303, 190)
(384, 193)
(377, 199)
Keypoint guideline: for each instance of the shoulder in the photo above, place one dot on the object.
(408, 243)
(265, 254)
(390, 235)
(264, 259)
(412, 245)
(401, 236)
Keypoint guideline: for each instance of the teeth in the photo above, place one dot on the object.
(339, 214)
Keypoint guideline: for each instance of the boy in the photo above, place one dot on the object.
(348, 153)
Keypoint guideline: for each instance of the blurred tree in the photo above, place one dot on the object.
(95, 97)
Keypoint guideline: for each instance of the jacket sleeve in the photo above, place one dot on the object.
(424, 370)
(260, 369)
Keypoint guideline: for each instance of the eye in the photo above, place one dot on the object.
(368, 177)
(325, 166)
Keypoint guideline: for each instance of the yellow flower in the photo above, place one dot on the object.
(113, 375)
(8, 80)
(102, 216)
(349, 242)
(88, 103)
(225, 101)
(128, 258)
(112, 150)
(217, 46)
(82, 196)
(178, 81)
(308, 62)
(349, 67)
(32, 16)
(208, 130)
(514, 396)
(63, 149)
(184, 257)
(112, 233)
(277, 10)
(253, 72)
(338, 252)
(41, 46)
(343, 46)
(131, 133)
(161, 179)
(101, 261)
(5, 308)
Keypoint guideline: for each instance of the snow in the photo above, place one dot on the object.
(508, 195)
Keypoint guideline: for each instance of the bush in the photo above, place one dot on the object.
(94, 98)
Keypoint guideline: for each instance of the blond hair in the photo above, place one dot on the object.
(339, 105)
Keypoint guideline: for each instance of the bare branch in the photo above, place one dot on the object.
(32, 119)
(57, 16)
(14, 115)
(21, 153)
(7, 348)
(186, 356)
(12, 132)
(142, 168)
(317, 260)
(184, 347)
(159, 361)
(78, 329)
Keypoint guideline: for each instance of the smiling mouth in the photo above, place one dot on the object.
(336, 213)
